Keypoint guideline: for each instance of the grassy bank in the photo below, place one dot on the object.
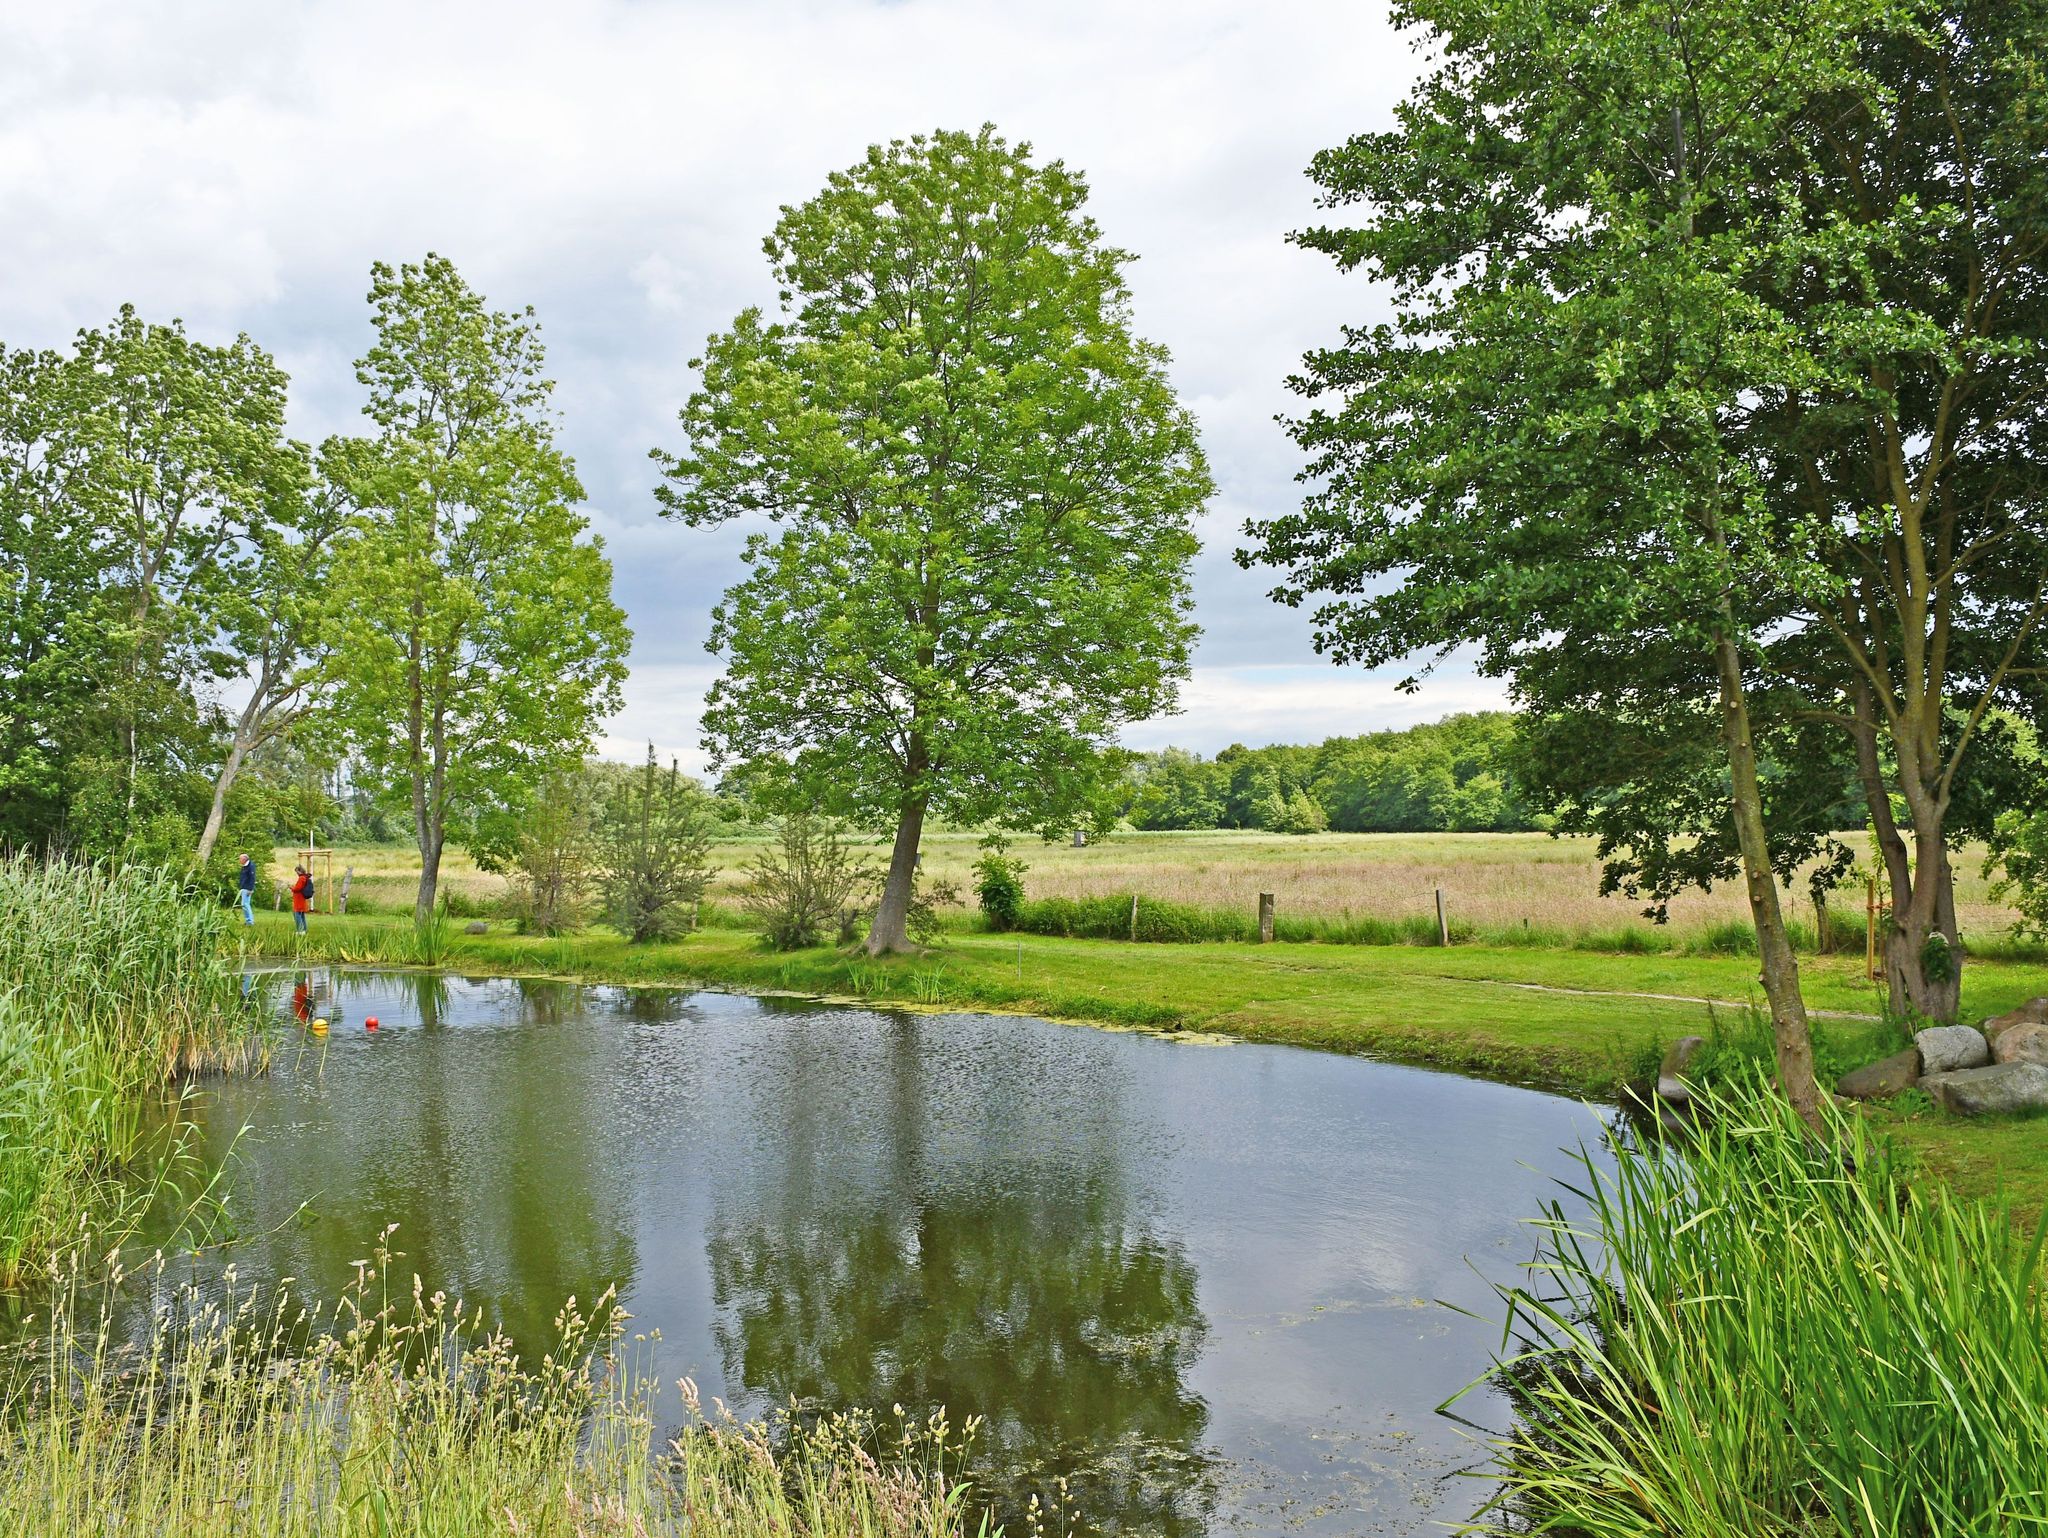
(1776, 1340)
(112, 987)
(1581, 1022)
(375, 1418)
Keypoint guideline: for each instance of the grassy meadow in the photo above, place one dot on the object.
(1505, 888)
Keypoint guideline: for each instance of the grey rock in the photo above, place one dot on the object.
(1671, 1083)
(1884, 1078)
(2003, 1089)
(2033, 1012)
(1945, 1048)
(476, 927)
(2026, 1043)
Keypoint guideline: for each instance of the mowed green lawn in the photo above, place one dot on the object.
(1570, 1020)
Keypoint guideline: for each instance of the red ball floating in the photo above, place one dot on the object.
(369, 1022)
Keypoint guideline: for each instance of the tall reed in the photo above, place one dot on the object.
(1776, 1334)
(114, 982)
(249, 1412)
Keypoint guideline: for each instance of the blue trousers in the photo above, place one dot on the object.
(248, 906)
(299, 921)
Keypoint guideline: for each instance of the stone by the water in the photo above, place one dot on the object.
(1946, 1048)
(1882, 1079)
(1671, 1083)
(2002, 1089)
(476, 927)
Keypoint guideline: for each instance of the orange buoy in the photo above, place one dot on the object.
(369, 1022)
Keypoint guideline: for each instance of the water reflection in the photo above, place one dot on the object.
(882, 1259)
(1196, 1282)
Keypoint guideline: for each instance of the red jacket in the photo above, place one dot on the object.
(301, 893)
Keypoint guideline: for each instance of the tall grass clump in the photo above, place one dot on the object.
(1772, 1333)
(248, 1412)
(113, 982)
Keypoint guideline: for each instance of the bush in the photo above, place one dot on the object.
(552, 856)
(999, 883)
(656, 854)
(800, 887)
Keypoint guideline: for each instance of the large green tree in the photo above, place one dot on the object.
(473, 640)
(1550, 449)
(984, 489)
(137, 473)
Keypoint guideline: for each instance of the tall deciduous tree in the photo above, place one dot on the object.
(1552, 447)
(984, 488)
(473, 638)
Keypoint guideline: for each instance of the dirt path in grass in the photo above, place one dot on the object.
(1668, 998)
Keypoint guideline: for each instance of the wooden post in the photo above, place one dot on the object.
(1870, 927)
(1265, 918)
(1080, 838)
(1443, 924)
(1134, 918)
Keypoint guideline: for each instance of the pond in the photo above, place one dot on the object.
(1201, 1282)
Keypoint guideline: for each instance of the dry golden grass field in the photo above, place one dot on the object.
(1492, 881)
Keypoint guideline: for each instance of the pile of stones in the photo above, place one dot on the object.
(1999, 1068)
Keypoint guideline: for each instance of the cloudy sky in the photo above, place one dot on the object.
(615, 163)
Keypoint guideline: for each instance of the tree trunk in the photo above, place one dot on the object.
(890, 931)
(1925, 980)
(1789, 1029)
(217, 814)
(1922, 982)
(430, 879)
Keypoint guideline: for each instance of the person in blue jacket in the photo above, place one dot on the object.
(245, 880)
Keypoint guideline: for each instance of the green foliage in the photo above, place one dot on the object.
(1457, 775)
(983, 489)
(801, 887)
(473, 640)
(1668, 378)
(656, 859)
(2019, 854)
(141, 475)
(1653, 1398)
(554, 859)
(999, 883)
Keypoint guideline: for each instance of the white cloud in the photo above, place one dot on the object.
(617, 162)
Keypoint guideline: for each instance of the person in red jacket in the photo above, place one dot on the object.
(302, 897)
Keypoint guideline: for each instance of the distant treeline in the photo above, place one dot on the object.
(1452, 775)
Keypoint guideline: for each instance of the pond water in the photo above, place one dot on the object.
(1201, 1282)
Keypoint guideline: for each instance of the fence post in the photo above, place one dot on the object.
(347, 876)
(1265, 918)
(1443, 924)
(1134, 918)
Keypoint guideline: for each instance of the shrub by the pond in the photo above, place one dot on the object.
(113, 981)
(1773, 1335)
(371, 1419)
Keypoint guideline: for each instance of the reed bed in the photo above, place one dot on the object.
(248, 1412)
(1772, 1334)
(114, 983)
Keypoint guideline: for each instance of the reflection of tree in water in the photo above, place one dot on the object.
(490, 1154)
(1020, 1290)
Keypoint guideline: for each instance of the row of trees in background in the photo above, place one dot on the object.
(199, 615)
(1456, 775)
(1715, 413)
